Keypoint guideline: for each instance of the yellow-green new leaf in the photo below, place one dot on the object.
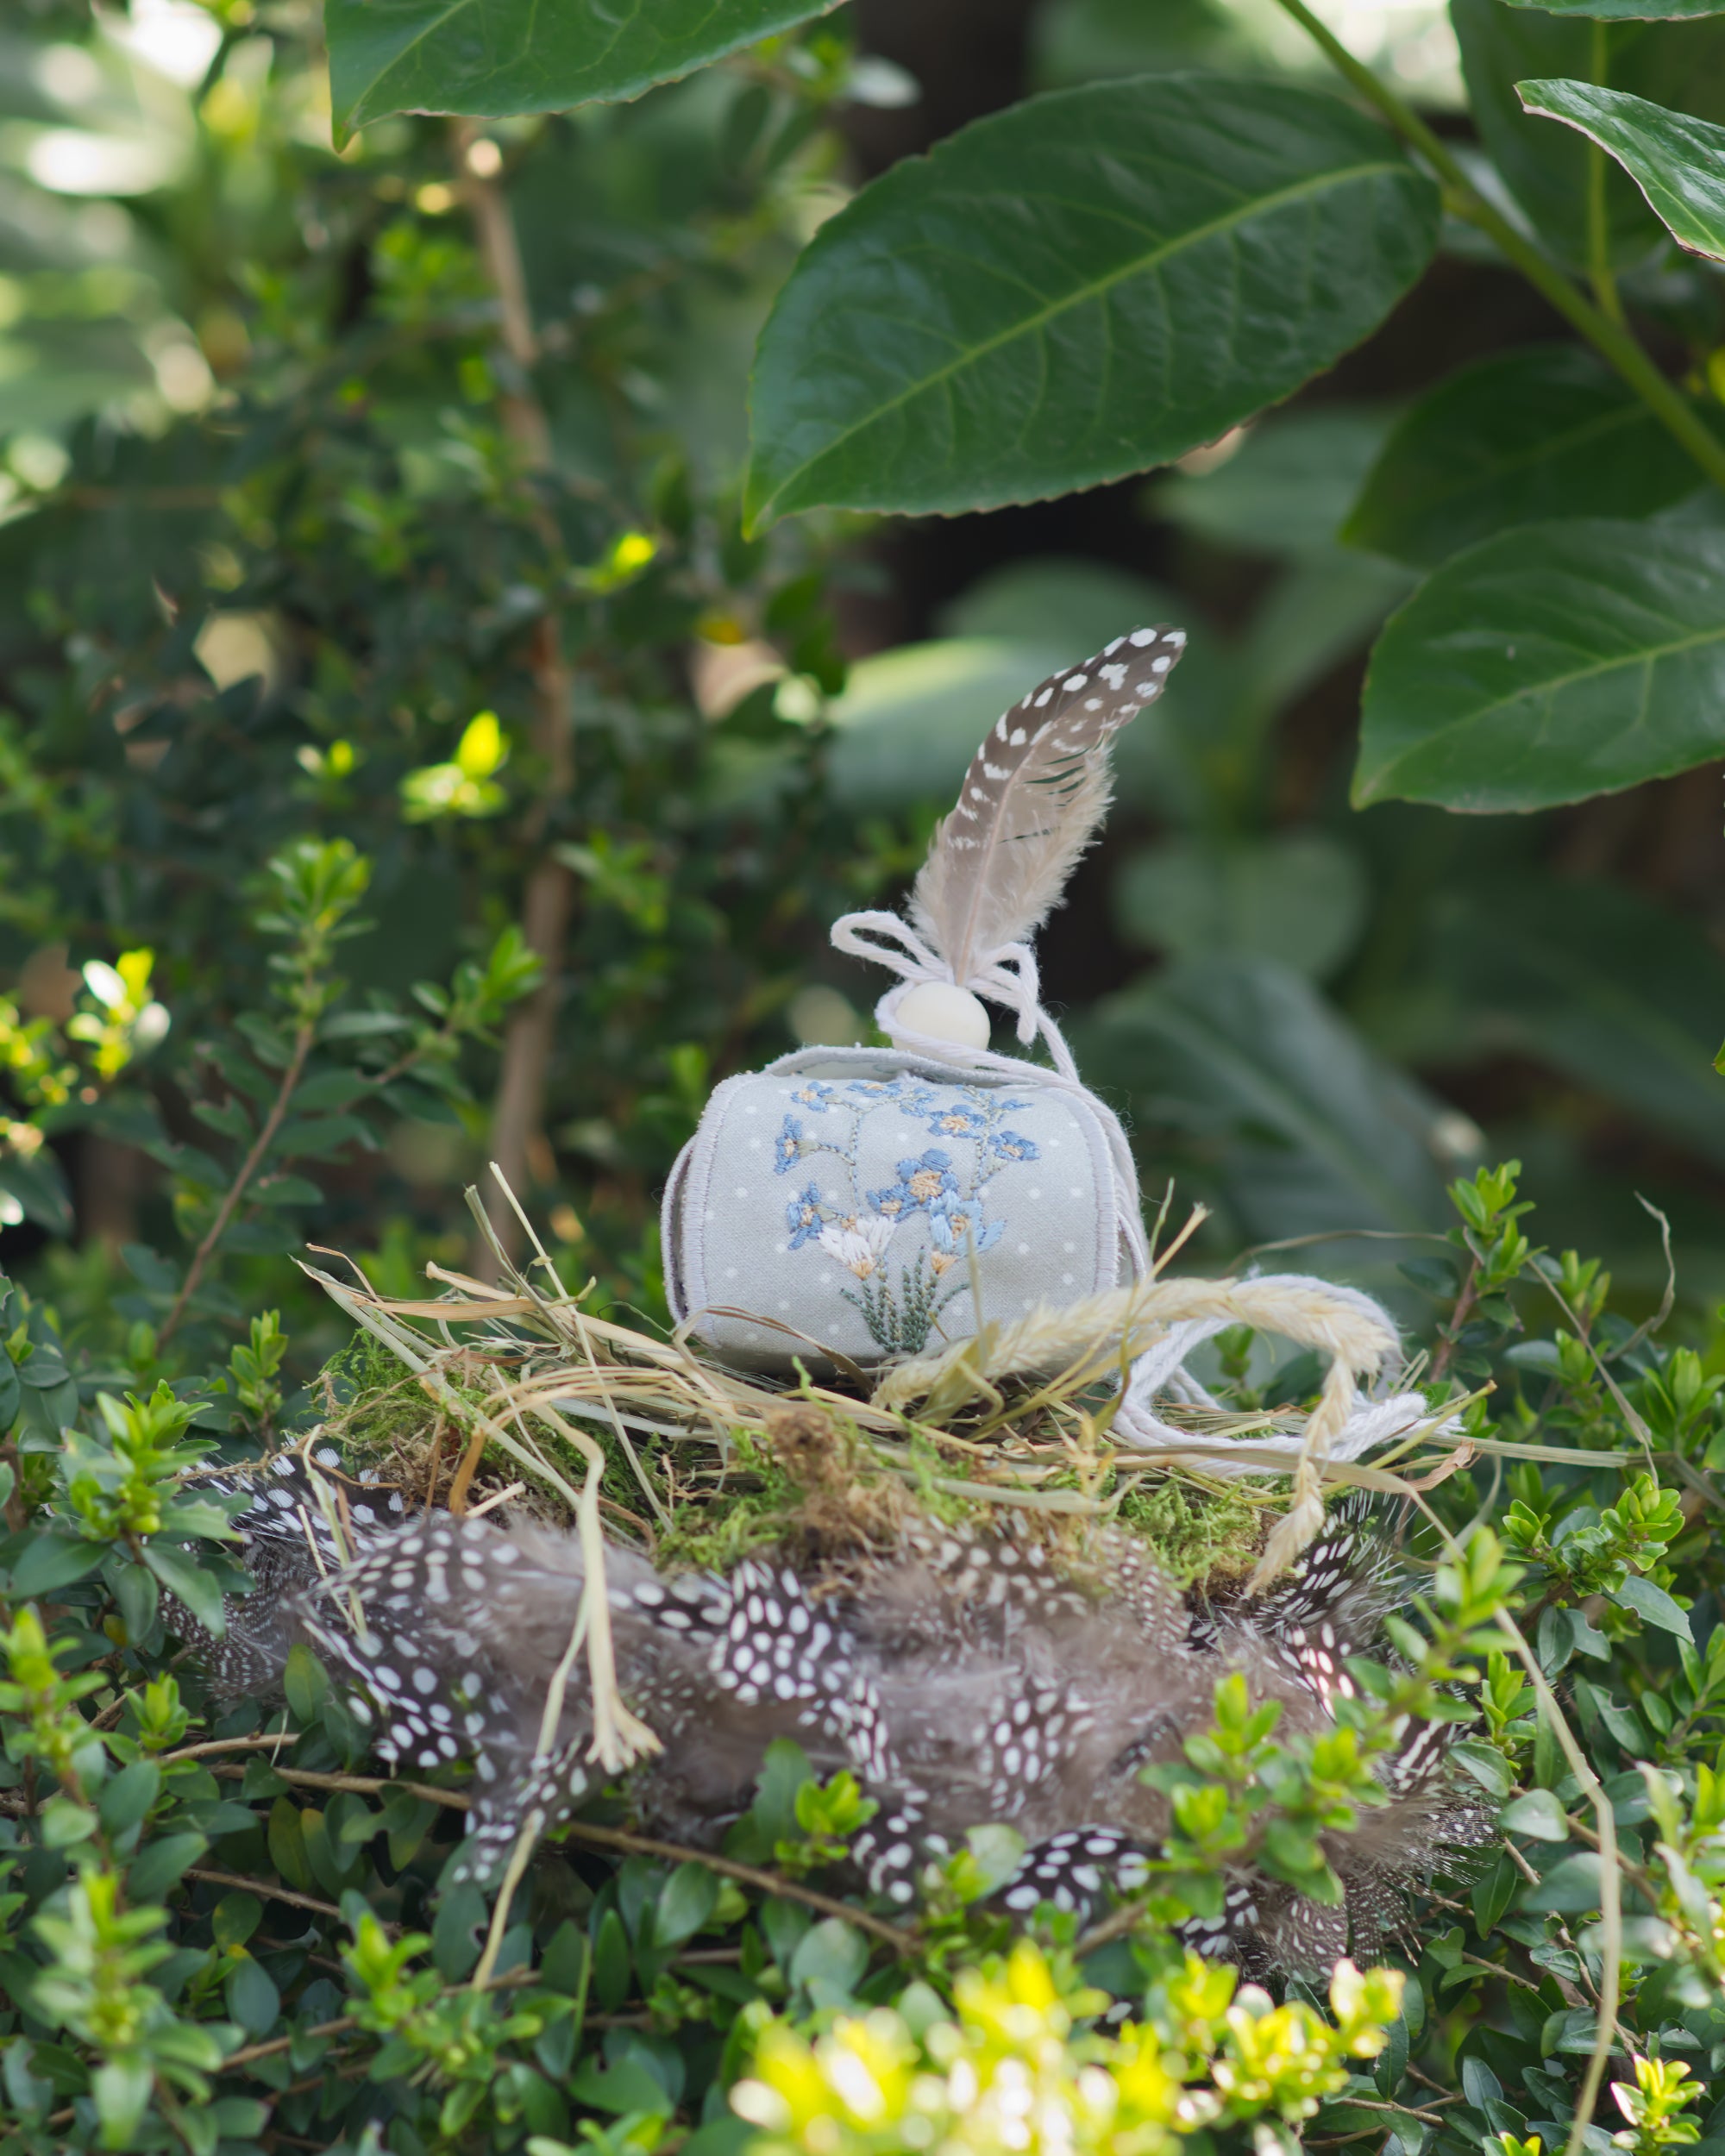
(1678, 163)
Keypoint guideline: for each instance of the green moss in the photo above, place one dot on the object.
(1198, 1534)
(374, 1405)
(757, 1507)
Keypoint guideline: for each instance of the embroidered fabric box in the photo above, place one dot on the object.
(835, 1199)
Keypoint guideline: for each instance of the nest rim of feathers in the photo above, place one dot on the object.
(515, 1398)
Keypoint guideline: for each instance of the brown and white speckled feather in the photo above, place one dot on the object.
(966, 1677)
(1031, 800)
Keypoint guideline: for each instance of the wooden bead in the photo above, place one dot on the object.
(944, 1013)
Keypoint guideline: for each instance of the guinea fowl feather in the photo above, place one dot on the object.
(964, 1676)
(1032, 799)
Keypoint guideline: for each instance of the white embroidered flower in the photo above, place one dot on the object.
(858, 1243)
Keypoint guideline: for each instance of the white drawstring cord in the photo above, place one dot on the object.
(1008, 976)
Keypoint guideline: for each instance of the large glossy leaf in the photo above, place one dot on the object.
(910, 719)
(494, 57)
(1679, 65)
(1622, 996)
(1293, 1120)
(1287, 486)
(1297, 897)
(1678, 163)
(1546, 432)
(1087, 284)
(1625, 10)
(1556, 662)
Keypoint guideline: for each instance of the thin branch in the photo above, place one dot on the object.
(768, 1882)
(359, 1784)
(615, 1838)
(271, 1893)
(1611, 340)
(547, 903)
(218, 1227)
(1599, 271)
(231, 1744)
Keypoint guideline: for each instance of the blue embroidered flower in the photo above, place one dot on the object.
(912, 1095)
(1013, 1145)
(787, 1147)
(922, 1183)
(813, 1095)
(959, 1219)
(958, 1119)
(804, 1217)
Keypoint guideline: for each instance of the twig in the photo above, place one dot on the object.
(1496, 1969)
(232, 1744)
(1599, 272)
(359, 1784)
(1123, 1920)
(768, 1882)
(271, 1893)
(1610, 339)
(615, 1838)
(218, 1227)
(549, 901)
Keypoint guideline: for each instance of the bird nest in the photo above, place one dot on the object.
(519, 1396)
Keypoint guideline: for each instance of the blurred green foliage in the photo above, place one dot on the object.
(300, 542)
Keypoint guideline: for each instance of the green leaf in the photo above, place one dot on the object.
(64, 1823)
(183, 1576)
(1301, 899)
(626, 2087)
(1680, 66)
(1568, 1888)
(1088, 284)
(909, 720)
(1654, 1606)
(234, 1918)
(1286, 487)
(53, 1562)
(125, 1799)
(1624, 10)
(1539, 1815)
(612, 1962)
(830, 1960)
(687, 1901)
(494, 57)
(121, 2090)
(1554, 662)
(1674, 161)
(251, 1997)
(1306, 1129)
(1547, 431)
(1621, 995)
(303, 1681)
(39, 1188)
(160, 1864)
(1493, 1892)
(1485, 1763)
